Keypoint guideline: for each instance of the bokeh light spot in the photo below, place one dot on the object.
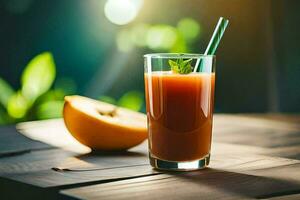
(139, 34)
(121, 12)
(161, 37)
(189, 28)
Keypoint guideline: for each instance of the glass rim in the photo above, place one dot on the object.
(177, 55)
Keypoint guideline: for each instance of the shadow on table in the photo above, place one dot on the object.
(102, 160)
(115, 153)
(96, 155)
(14, 190)
(212, 182)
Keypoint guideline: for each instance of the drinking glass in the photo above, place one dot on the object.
(179, 110)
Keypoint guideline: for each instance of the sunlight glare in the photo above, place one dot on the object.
(121, 12)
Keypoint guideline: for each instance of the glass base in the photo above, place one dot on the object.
(179, 166)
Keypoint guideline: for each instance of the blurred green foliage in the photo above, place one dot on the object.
(108, 99)
(6, 92)
(160, 37)
(189, 29)
(133, 100)
(34, 100)
(38, 76)
(50, 109)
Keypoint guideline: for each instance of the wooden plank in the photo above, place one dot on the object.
(286, 197)
(13, 143)
(290, 122)
(52, 132)
(262, 137)
(241, 183)
(277, 136)
(34, 161)
(53, 179)
(12, 190)
(35, 168)
(255, 131)
(286, 117)
(281, 137)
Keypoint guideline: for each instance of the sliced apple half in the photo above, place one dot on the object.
(103, 126)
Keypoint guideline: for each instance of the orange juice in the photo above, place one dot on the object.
(179, 111)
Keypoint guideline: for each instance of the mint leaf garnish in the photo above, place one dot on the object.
(181, 66)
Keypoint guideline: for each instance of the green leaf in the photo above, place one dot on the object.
(132, 100)
(184, 63)
(4, 118)
(6, 91)
(50, 109)
(174, 66)
(38, 76)
(181, 66)
(18, 105)
(172, 63)
(108, 99)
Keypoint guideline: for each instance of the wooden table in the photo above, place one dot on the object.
(253, 157)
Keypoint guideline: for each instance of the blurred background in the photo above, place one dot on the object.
(95, 48)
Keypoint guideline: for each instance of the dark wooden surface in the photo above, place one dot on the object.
(13, 143)
(207, 184)
(253, 156)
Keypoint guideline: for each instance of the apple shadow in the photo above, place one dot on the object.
(109, 159)
(113, 154)
(102, 160)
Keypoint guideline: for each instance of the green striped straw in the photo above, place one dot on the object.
(215, 39)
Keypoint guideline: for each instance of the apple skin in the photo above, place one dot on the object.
(99, 134)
